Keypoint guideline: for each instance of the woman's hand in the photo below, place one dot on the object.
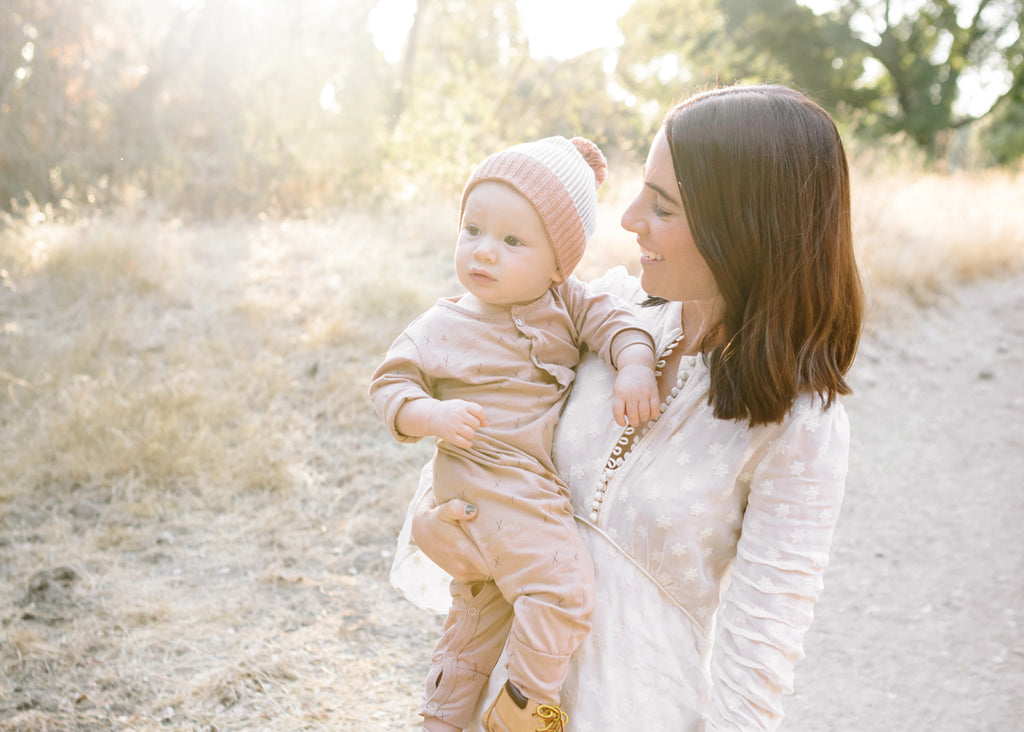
(437, 532)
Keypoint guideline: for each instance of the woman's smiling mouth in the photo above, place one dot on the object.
(650, 256)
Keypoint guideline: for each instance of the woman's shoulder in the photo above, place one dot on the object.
(816, 420)
(617, 281)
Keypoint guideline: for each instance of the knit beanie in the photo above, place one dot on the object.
(560, 178)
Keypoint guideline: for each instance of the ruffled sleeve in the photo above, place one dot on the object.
(796, 491)
(417, 578)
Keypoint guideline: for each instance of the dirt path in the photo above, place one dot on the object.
(918, 628)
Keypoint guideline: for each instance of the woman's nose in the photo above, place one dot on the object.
(631, 220)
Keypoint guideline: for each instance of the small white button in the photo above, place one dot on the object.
(471, 611)
(519, 322)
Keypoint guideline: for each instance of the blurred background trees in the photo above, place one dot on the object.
(216, 107)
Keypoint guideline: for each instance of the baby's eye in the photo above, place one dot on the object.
(513, 242)
(472, 230)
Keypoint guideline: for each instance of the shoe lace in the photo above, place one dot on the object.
(554, 718)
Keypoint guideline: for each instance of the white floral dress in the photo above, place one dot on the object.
(709, 540)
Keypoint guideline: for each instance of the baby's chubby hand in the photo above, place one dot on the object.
(636, 395)
(456, 421)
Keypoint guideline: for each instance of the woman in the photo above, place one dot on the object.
(710, 527)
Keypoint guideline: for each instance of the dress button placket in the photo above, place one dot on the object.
(624, 445)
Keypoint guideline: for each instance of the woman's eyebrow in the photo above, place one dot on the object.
(661, 192)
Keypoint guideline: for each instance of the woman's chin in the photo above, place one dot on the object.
(649, 283)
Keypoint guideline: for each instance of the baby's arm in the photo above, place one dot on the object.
(636, 388)
(454, 420)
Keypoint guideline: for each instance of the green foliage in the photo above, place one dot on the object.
(890, 72)
(210, 107)
(216, 107)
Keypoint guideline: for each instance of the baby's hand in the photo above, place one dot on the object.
(636, 395)
(457, 421)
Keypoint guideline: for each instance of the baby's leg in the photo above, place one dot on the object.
(470, 645)
(541, 566)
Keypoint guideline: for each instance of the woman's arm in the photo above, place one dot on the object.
(437, 532)
(795, 495)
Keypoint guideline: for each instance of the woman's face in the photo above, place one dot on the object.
(673, 268)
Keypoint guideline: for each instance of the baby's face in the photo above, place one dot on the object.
(504, 256)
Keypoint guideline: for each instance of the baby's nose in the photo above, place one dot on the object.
(484, 251)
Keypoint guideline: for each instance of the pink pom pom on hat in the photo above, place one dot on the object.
(560, 178)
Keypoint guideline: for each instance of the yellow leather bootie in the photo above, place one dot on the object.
(513, 712)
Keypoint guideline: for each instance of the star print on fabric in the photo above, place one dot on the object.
(631, 513)
(768, 487)
(721, 470)
(782, 511)
(664, 521)
(697, 509)
(810, 421)
(678, 550)
(797, 536)
(690, 575)
(797, 468)
(772, 555)
(716, 449)
(705, 533)
(683, 458)
(812, 492)
(827, 516)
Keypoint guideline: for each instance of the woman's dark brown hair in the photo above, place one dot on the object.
(763, 177)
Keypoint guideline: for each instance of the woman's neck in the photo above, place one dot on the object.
(699, 317)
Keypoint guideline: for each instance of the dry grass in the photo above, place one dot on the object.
(198, 506)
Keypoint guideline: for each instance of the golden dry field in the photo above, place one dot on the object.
(198, 506)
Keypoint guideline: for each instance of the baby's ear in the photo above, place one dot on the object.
(558, 278)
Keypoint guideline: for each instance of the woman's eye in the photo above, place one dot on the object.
(659, 211)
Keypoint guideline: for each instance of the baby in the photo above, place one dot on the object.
(487, 373)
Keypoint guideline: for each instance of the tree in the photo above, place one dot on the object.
(468, 86)
(894, 66)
